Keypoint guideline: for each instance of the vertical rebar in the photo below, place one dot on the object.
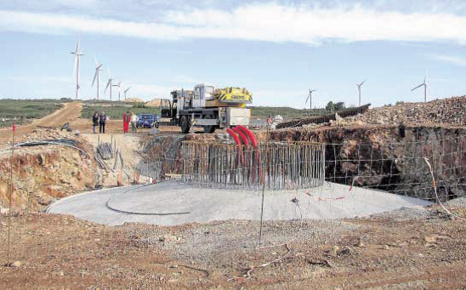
(10, 195)
(263, 187)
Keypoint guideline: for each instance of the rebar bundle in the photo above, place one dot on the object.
(279, 165)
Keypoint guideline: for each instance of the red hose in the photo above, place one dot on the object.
(234, 136)
(253, 140)
(250, 135)
(242, 136)
(238, 143)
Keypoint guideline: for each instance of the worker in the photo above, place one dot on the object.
(102, 122)
(134, 122)
(126, 121)
(95, 121)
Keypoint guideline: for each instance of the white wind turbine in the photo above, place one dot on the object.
(109, 84)
(425, 88)
(309, 98)
(98, 69)
(359, 90)
(119, 90)
(78, 53)
(126, 91)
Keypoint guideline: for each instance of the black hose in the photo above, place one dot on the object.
(107, 204)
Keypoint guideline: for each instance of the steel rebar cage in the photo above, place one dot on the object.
(277, 165)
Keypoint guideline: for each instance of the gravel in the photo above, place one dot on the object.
(406, 213)
(459, 202)
(219, 243)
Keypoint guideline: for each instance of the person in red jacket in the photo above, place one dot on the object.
(126, 121)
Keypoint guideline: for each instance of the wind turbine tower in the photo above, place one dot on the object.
(98, 69)
(78, 53)
(359, 90)
(109, 84)
(425, 88)
(126, 91)
(119, 90)
(309, 98)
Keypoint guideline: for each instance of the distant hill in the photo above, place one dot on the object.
(286, 112)
(154, 103)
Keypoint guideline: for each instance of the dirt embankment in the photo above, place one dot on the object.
(450, 111)
(47, 172)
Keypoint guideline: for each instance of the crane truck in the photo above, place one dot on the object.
(208, 107)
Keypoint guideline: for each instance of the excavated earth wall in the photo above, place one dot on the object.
(42, 175)
(392, 157)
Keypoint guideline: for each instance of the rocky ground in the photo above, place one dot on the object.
(420, 248)
(44, 173)
(451, 111)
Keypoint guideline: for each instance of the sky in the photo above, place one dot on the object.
(276, 49)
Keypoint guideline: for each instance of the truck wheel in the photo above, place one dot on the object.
(209, 129)
(185, 125)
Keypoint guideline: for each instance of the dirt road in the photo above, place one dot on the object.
(69, 112)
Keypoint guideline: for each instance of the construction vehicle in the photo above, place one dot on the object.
(207, 107)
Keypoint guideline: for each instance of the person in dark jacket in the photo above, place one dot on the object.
(95, 121)
(102, 122)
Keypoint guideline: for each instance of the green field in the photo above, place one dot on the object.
(23, 111)
(286, 112)
(115, 110)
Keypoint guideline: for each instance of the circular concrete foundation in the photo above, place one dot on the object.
(172, 203)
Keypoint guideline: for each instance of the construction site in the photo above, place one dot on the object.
(361, 198)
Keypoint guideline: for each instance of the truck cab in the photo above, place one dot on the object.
(202, 93)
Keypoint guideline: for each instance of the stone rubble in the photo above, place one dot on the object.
(451, 111)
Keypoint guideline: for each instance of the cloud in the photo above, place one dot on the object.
(455, 60)
(258, 22)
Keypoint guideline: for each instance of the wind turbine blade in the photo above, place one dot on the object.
(95, 76)
(417, 87)
(96, 63)
(363, 82)
(108, 71)
(108, 84)
(307, 99)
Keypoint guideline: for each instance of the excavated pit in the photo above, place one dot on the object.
(389, 158)
(359, 164)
